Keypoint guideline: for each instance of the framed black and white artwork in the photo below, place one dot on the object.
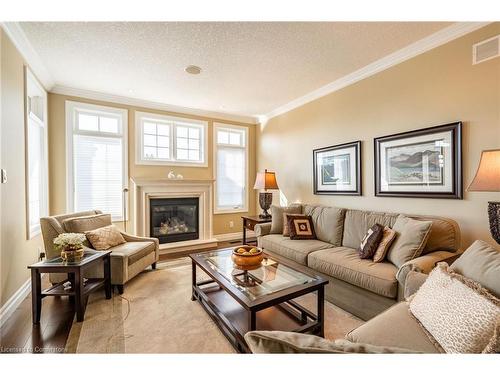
(425, 163)
(337, 169)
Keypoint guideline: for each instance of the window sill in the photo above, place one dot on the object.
(233, 211)
(171, 163)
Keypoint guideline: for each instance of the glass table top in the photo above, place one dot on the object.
(269, 277)
(88, 256)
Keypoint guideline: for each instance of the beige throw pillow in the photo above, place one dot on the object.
(385, 243)
(286, 228)
(278, 219)
(410, 240)
(105, 237)
(458, 313)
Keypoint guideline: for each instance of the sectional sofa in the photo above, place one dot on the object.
(360, 286)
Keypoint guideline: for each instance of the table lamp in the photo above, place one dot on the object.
(265, 181)
(488, 179)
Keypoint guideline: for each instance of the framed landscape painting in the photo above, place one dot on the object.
(424, 163)
(337, 169)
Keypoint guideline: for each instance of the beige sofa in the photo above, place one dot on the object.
(127, 259)
(394, 330)
(360, 286)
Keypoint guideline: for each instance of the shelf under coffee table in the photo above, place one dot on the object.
(240, 301)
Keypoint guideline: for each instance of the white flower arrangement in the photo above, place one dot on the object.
(69, 241)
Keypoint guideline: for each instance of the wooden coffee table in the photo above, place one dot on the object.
(79, 290)
(240, 301)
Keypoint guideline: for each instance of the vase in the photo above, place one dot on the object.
(72, 254)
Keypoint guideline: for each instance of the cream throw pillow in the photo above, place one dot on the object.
(458, 313)
(105, 237)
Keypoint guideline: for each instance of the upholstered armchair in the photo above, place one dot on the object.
(127, 259)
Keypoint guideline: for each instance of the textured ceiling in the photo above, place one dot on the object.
(248, 68)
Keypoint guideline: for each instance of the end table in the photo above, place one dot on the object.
(249, 223)
(78, 291)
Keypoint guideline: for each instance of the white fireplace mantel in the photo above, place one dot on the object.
(143, 189)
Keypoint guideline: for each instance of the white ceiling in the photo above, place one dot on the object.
(248, 68)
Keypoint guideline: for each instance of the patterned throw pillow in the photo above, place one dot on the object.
(286, 228)
(370, 242)
(105, 237)
(385, 243)
(457, 313)
(301, 227)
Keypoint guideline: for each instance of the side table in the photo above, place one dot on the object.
(249, 223)
(78, 291)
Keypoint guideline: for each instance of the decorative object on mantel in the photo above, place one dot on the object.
(171, 174)
(265, 180)
(179, 176)
(424, 163)
(70, 245)
(487, 178)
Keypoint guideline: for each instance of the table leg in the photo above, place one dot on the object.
(321, 311)
(193, 280)
(252, 321)
(244, 231)
(79, 302)
(107, 276)
(36, 295)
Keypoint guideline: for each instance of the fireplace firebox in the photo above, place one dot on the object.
(174, 219)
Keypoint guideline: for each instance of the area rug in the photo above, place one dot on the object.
(155, 314)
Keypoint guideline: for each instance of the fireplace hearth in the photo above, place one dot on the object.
(174, 219)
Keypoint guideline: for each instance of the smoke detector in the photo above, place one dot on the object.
(193, 69)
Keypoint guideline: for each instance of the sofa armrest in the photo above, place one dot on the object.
(263, 342)
(262, 229)
(413, 282)
(131, 238)
(425, 263)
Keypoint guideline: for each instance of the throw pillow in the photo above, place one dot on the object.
(301, 227)
(385, 243)
(105, 237)
(458, 314)
(411, 238)
(286, 228)
(277, 216)
(370, 242)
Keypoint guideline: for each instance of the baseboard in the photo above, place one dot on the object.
(233, 236)
(14, 301)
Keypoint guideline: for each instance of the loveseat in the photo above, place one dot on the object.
(359, 286)
(127, 259)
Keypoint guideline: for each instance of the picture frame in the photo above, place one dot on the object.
(337, 169)
(424, 163)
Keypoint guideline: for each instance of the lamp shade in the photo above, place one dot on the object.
(266, 180)
(488, 173)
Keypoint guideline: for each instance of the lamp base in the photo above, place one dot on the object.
(265, 200)
(494, 217)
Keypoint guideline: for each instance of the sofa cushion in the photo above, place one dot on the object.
(344, 263)
(383, 247)
(357, 223)
(296, 250)
(481, 263)
(105, 237)
(412, 235)
(82, 224)
(133, 250)
(395, 327)
(328, 223)
(278, 217)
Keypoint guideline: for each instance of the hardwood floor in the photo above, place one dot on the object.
(19, 335)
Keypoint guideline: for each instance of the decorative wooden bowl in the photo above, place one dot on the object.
(247, 259)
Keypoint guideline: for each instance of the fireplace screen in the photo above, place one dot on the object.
(174, 219)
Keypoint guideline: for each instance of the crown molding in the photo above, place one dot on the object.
(423, 45)
(118, 99)
(31, 57)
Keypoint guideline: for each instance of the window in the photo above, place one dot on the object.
(36, 154)
(97, 158)
(231, 168)
(165, 140)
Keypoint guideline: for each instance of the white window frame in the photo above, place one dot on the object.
(72, 109)
(244, 129)
(172, 121)
(32, 84)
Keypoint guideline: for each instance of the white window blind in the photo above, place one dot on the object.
(37, 173)
(99, 159)
(231, 168)
(166, 140)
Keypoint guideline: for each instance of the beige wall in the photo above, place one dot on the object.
(57, 158)
(434, 88)
(16, 252)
